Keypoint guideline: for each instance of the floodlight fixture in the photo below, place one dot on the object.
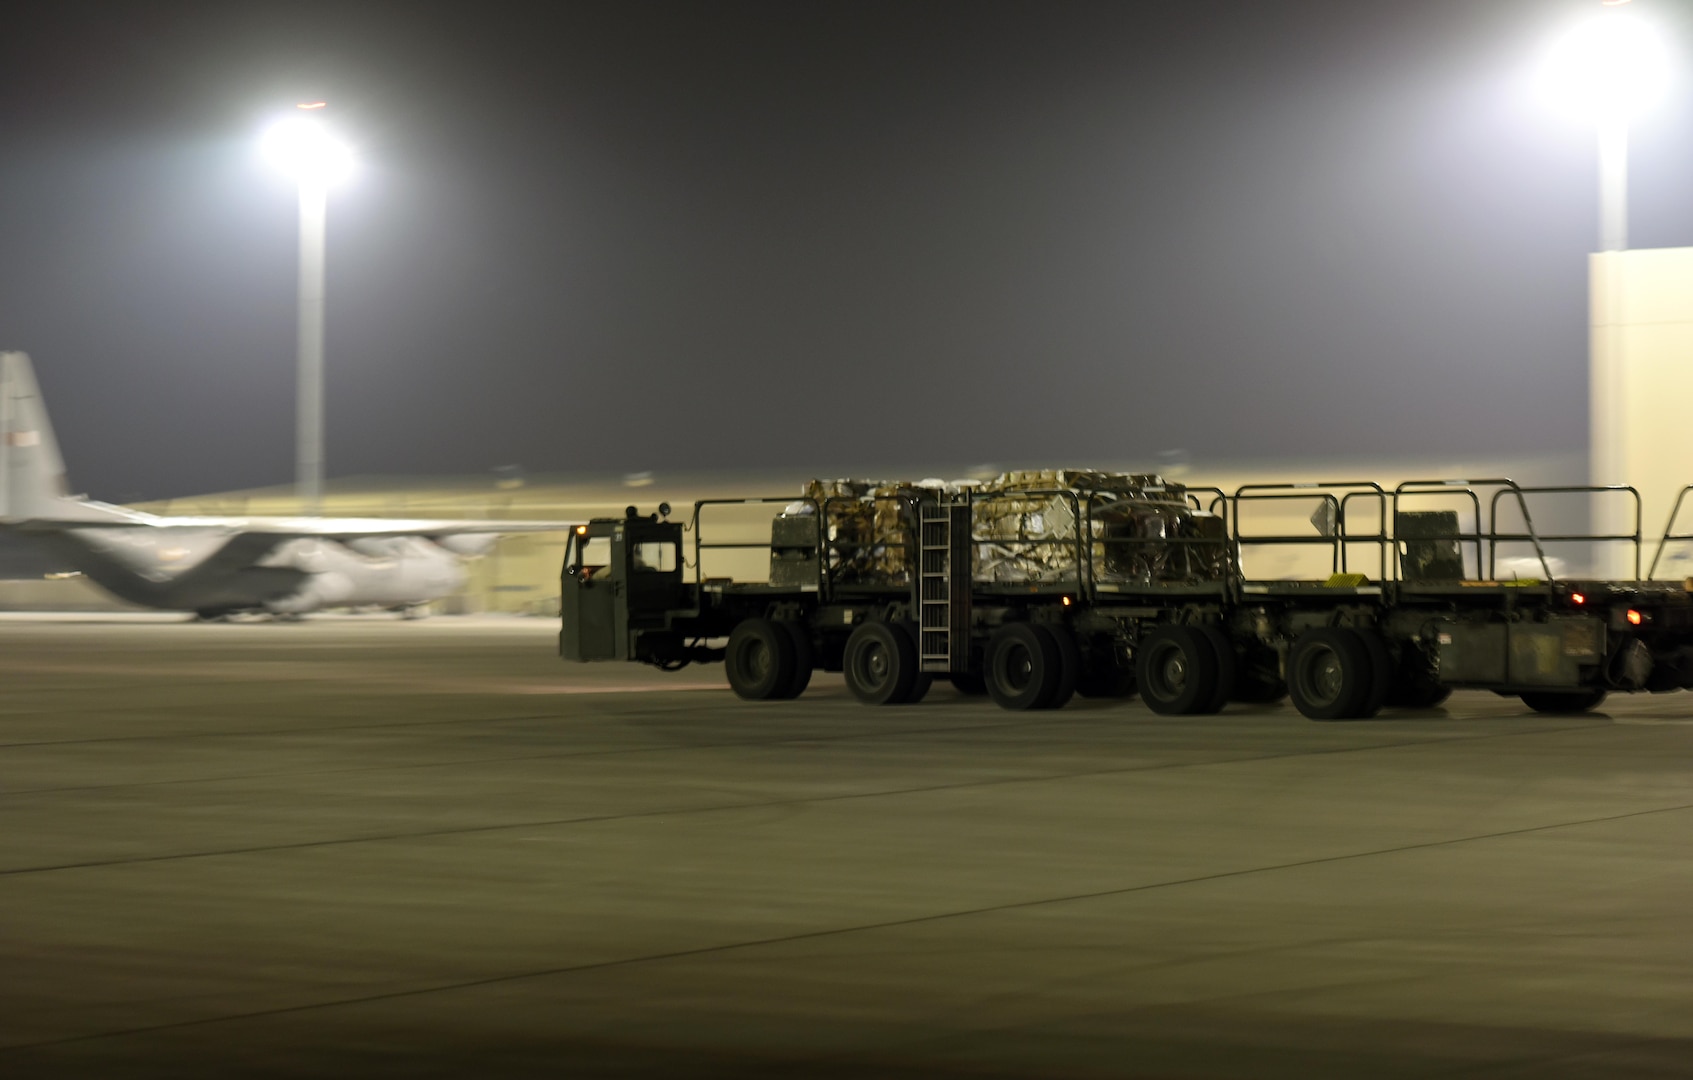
(306, 148)
(1609, 67)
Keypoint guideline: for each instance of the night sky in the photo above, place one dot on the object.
(617, 237)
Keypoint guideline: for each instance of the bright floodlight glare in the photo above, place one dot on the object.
(305, 149)
(1609, 67)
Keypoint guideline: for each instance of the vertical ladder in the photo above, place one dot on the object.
(943, 586)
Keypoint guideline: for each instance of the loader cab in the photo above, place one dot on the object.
(621, 575)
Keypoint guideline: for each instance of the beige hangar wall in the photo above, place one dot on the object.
(1641, 390)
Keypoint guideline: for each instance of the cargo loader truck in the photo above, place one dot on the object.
(1040, 585)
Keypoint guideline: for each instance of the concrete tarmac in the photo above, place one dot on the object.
(367, 847)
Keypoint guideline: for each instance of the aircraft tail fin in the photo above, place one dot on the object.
(32, 474)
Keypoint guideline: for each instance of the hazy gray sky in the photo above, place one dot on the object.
(645, 236)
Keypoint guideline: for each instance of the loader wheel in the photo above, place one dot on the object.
(1383, 676)
(880, 664)
(804, 658)
(1330, 674)
(1069, 666)
(759, 660)
(1023, 666)
(922, 680)
(1177, 670)
(1222, 688)
(1563, 701)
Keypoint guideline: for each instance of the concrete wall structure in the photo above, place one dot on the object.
(1641, 389)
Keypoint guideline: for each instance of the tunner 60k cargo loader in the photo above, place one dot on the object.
(1040, 585)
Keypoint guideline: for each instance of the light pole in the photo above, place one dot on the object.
(1606, 71)
(305, 148)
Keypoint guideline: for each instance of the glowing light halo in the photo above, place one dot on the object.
(1609, 67)
(306, 149)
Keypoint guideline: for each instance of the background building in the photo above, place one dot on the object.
(1642, 386)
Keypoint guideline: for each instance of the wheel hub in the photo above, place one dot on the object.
(758, 660)
(1173, 672)
(1327, 677)
(1019, 668)
(876, 664)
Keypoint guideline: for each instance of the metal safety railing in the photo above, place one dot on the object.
(1333, 496)
(1484, 537)
(1670, 535)
(702, 545)
(1063, 538)
(1539, 540)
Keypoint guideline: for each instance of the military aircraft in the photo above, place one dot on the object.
(223, 566)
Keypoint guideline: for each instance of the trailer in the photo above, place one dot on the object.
(1041, 585)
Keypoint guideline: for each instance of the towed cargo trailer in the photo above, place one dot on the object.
(1345, 597)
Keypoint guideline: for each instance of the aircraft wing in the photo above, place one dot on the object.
(353, 528)
(97, 516)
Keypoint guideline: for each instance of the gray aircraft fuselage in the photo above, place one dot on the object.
(215, 570)
(222, 565)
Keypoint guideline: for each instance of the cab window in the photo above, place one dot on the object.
(592, 553)
(655, 556)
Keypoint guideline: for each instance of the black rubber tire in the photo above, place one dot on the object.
(1329, 674)
(1227, 664)
(1069, 666)
(1107, 682)
(1563, 701)
(880, 664)
(804, 657)
(919, 688)
(922, 680)
(968, 683)
(1176, 667)
(759, 660)
(1022, 667)
(1414, 683)
(1383, 675)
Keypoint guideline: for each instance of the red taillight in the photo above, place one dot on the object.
(1578, 598)
(1635, 618)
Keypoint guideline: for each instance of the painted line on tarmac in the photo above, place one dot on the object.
(841, 931)
(769, 804)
